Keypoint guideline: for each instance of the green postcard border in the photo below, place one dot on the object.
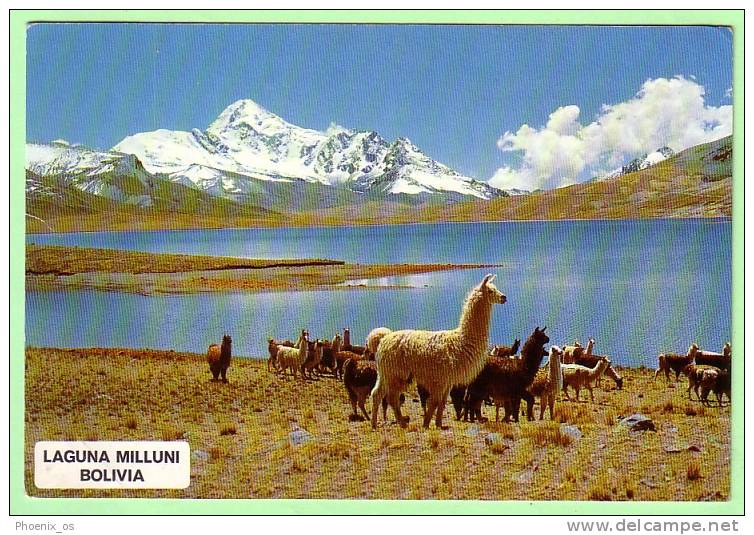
(21, 504)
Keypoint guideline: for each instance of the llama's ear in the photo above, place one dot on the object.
(489, 278)
(543, 329)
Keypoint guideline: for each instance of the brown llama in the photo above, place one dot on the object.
(710, 358)
(675, 362)
(272, 349)
(436, 359)
(329, 350)
(506, 351)
(313, 358)
(347, 346)
(218, 358)
(359, 377)
(506, 380)
(590, 361)
(340, 359)
(720, 385)
(547, 385)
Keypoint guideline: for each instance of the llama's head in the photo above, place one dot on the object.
(490, 291)
(693, 350)
(516, 345)
(726, 349)
(539, 336)
(227, 340)
(612, 372)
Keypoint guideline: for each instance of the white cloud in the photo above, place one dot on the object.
(665, 111)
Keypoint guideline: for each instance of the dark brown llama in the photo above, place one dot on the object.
(218, 359)
(359, 378)
(329, 350)
(672, 361)
(506, 380)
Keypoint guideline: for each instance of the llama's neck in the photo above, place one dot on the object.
(589, 347)
(474, 325)
(532, 355)
(555, 375)
(346, 338)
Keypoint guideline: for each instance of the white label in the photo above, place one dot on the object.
(112, 465)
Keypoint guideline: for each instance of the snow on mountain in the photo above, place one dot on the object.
(255, 144)
(637, 164)
(119, 177)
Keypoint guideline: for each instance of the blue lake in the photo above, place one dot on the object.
(637, 287)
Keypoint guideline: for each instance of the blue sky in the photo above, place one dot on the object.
(453, 90)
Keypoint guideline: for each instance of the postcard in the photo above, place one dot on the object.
(378, 260)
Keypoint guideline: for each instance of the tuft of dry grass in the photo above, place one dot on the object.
(228, 429)
(132, 422)
(693, 471)
(547, 433)
(574, 413)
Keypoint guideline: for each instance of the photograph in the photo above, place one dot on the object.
(406, 261)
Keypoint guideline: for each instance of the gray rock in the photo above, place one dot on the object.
(299, 436)
(493, 438)
(571, 431)
(638, 422)
(200, 455)
(472, 431)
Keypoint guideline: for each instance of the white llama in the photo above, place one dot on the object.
(437, 360)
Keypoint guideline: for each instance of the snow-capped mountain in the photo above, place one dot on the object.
(247, 143)
(72, 179)
(642, 162)
(118, 177)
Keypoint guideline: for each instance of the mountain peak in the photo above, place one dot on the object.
(244, 112)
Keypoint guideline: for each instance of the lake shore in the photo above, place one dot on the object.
(239, 435)
(57, 268)
(93, 223)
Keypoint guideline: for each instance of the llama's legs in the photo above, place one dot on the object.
(394, 399)
(544, 401)
(578, 390)
(430, 410)
(441, 408)
(529, 398)
(378, 394)
(497, 412)
(384, 409)
(591, 392)
(224, 372)
(364, 409)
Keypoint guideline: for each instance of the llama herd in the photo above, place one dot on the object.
(458, 363)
